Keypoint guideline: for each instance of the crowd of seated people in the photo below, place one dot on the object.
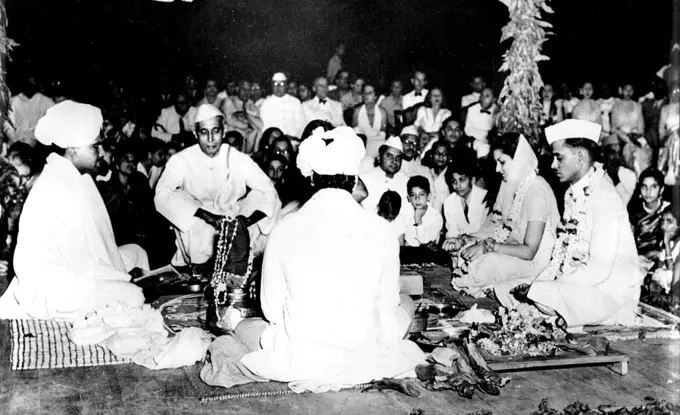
(435, 174)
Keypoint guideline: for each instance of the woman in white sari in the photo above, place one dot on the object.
(370, 120)
(517, 239)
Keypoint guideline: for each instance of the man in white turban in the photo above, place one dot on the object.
(330, 289)
(66, 261)
(594, 274)
(207, 181)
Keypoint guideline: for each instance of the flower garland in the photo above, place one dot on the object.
(502, 228)
(571, 251)
(222, 280)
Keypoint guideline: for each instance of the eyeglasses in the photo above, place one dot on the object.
(279, 83)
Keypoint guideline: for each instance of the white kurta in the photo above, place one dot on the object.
(456, 222)
(428, 231)
(66, 260)
(377, 183)
(439, 190)
(414, 167)
(24, 114)
(192, 180)
(606, 289)
(330, 290)
(168, 123)
(283, 112)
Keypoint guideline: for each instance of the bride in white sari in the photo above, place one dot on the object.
(515, 243)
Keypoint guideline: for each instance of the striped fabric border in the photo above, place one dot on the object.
(44, 344)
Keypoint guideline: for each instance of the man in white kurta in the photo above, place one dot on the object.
(26, 109)
(66, 261)
(330, 284)
(282, 110)
(386, 176)
(596, 279)
(207, 181)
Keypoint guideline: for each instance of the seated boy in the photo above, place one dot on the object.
(389, 207)
(465, 210)
(423, 223)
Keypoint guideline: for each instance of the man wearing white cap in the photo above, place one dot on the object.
(594, 274)
(324, 332)
(411, 164)
(67, 262)
(208, 181)
(282, 110)
(386, 176)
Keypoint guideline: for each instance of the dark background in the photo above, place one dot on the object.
(142, 43)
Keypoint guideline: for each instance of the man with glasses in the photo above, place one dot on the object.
(411, 163)
(208, 181)
(282, 110)
(67, 263)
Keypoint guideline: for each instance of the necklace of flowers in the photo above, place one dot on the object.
(570, 251)
(222, 280)
(502, 228)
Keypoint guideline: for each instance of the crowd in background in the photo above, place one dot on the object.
(432, 160)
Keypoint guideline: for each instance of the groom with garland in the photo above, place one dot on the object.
(594, 275)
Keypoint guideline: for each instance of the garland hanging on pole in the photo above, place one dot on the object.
(520, 101)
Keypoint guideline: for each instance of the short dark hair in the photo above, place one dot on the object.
(389, 204)
(277, 157)
(153, 145)
(29, 156)
(654, 174)
(464, 163)
(589, 145)
(124, 148)
(506, 144)
(237, 135)
(314, 124)
(418, 181)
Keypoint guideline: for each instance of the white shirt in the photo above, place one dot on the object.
(323, 329)
(153, 176)
(477, 125)
(66, 254)
(439, 190)
(192, 180)
(454, 214)
(168, 123)
(411, 99)
(283, 112)
(469, 99)
(429, 122)
(330, 111)
(25, 114)
(414, 167)
(627, 183)
(377, 183)
(428, 231)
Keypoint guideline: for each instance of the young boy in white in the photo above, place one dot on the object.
(423, 222)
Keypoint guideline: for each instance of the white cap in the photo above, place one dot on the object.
(69, 124)
(206, 112)
(573, 129)
(394, 142)
(338, 151)
(409, 130)
(279, 77)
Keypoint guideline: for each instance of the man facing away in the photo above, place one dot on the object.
(594, 275)
(322, 333)
(66, 261)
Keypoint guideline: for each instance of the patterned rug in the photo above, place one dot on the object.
(43, 344)
(207, 393)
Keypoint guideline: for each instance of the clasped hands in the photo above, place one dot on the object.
(469, 248)
(215, 220)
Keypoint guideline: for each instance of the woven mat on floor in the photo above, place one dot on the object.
(43, 344)
(207, 393)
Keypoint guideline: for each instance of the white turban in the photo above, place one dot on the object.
(573, 128)
(69, 124)
(206, 112)
(338, 151)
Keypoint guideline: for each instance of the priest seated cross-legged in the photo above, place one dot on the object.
(594, 274)
(66, 260)
(208, 181)
(329, 291)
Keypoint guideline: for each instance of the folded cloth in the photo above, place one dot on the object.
(138, 334)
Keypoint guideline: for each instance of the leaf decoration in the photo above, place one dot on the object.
(520, 103)
(6, 46)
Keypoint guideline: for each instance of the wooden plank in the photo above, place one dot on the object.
(557, 361)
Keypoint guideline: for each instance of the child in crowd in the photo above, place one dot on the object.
(389, 208)
(423, 223)
(465, 210)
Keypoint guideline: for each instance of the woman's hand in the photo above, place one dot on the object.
(4, 269)
(472, 252)
(453, 244)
